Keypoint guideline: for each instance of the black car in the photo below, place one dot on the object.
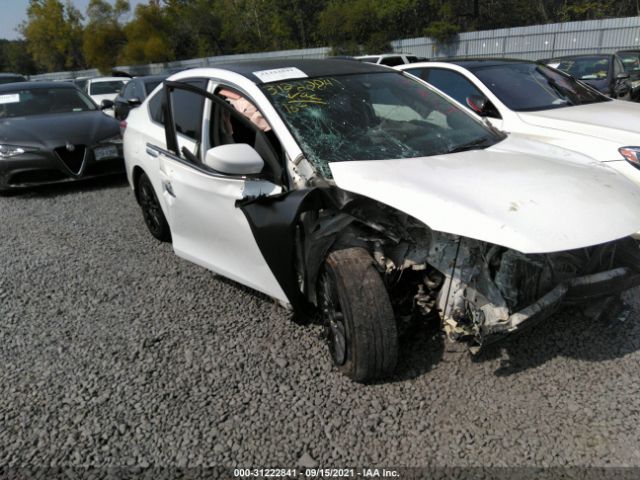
(134, 93)
(604, 72)
(52, 132)
(631, 62)
(11, 78)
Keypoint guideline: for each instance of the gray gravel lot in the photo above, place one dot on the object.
(113, 351)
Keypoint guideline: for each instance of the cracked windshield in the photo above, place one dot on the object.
(373, 117)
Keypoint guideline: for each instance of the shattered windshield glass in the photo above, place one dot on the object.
(374, 116)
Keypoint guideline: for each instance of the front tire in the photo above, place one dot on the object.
(151, 210)
(359, 322)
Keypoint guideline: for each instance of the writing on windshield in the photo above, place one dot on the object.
(373, 117)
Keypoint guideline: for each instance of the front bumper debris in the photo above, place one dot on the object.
(575, 290)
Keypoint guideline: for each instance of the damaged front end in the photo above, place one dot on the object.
(480, 292)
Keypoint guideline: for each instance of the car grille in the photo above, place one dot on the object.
(73, 160)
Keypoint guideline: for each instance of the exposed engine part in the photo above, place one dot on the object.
(480, 291)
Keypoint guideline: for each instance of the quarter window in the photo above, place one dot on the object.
(155, 107)
(187, 109)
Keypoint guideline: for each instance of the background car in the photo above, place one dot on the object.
(631, 63)
(543, 103)
(52, 132)
(605, 73)
(361, 192)
(105, 88)
(390, 59)
(11, 78)
(134, 94)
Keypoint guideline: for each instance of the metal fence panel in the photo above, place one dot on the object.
(532, 43)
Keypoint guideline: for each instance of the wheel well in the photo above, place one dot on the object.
(137, 172)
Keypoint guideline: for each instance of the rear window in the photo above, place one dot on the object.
(105, 88)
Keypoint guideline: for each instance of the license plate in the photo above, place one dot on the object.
(105, 152)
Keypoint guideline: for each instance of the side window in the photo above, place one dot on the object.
(392, 61)
(129, 90)
(617, 67)
(421, 73)
(155, 107)
(241, 122)
(187, 110)
(453, 84)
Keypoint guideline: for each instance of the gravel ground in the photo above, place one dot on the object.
(115, 352)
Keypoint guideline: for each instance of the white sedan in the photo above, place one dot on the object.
(356, 191)
(526, 97)
(105, 89)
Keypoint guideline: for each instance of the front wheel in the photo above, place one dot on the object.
(359, 323)
(151, 210)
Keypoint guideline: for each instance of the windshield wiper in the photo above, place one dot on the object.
(477, 144)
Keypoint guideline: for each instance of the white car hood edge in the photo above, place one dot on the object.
(546, 200)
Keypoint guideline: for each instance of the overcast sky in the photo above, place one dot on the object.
(14, 12)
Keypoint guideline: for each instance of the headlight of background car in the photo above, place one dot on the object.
(8, 151)
(631, 154)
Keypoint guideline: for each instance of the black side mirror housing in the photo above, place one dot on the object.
(106, 104)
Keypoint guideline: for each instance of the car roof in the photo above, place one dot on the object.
(151, 78)
(581, 55)
(108, 79)
(383, 55)
(471, 63)
(312, 68)
(35, 85)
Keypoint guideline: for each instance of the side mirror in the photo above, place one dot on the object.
(134, 102)
(106, 104)
(234, 159)
(477, 103)
(623, 76)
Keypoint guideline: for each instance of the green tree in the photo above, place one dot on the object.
(15, 58)
(195, 28)
(104, 36)
(146, 36)
(359, 26)
(53, 32)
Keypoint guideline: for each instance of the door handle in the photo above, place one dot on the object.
(152, 152)
(166, 184)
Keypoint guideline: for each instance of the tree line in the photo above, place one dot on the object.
(56, 36)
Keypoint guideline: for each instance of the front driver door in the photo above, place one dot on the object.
(207, 226)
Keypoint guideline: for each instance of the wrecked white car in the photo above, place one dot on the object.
(356, 191)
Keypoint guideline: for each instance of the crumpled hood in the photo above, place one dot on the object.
(613, 120)
(54, 130)
(521, 194)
